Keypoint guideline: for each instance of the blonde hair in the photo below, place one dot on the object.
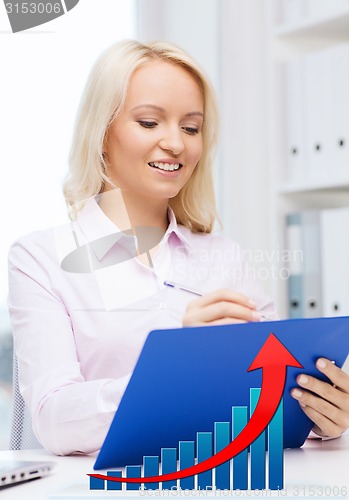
(102, 101)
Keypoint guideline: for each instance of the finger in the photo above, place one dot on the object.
(325, 391)
(322, 389)
(194, 321)
(221, 310)
(226, 321)
(323, 426)
(226, 295)
(337, 376)
(337, 415)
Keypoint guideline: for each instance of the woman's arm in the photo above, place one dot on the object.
(69, 413)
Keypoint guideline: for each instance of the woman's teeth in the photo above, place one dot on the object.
(165, 166)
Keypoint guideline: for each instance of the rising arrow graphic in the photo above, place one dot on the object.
(273, 358)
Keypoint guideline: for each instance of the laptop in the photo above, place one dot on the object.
(14, 472)
(187, 379)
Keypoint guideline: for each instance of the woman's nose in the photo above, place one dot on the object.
(172, 141)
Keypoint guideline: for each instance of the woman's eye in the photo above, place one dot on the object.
(147, 124)
(191, 130)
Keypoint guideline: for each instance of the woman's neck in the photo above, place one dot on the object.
(127, 210)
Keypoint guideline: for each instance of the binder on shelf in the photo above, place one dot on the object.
(318, 115)
(339, 70)
(295, 280)
(335, 261)
(296, 133)
(312, 299)
(304, 284)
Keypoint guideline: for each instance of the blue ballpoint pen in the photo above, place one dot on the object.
(185, 288)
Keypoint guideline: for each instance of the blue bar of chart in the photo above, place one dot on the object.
(276, 450)
(131, 472)
(233, 473)
(168, 464)
(204, 451)
(113, 485)
(240, 462)
(186, 459)
(151, 468)
(257, 450)
(96, 483)
(221, 440)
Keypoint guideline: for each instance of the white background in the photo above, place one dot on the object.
(43, 72)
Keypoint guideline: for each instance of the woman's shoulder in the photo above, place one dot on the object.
(37, 244)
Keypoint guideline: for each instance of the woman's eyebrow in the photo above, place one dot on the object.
(195, 113)
(162, 110)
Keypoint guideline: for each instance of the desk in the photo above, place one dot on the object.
(318, 470)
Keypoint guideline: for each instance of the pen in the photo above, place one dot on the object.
(185, 288)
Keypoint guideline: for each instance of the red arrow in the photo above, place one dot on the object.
(273, 358)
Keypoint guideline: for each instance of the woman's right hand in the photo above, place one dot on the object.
(220, 307)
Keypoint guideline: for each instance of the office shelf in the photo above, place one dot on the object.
(289, 42)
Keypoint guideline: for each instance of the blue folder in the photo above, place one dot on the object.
(187, 379)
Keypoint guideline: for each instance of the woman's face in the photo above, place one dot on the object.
(155, 143)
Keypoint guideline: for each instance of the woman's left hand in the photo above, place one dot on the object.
(325, 404)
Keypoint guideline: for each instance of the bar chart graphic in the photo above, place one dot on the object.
(258, 466)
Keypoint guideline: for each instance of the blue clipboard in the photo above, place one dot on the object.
(186, 379)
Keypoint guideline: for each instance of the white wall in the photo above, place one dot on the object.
(247, 185)
(228, 38)
(43, 72)
(192, 24)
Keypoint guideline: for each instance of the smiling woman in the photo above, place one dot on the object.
(160, 89)
(142, 210)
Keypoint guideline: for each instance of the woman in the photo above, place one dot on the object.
(84, 296)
